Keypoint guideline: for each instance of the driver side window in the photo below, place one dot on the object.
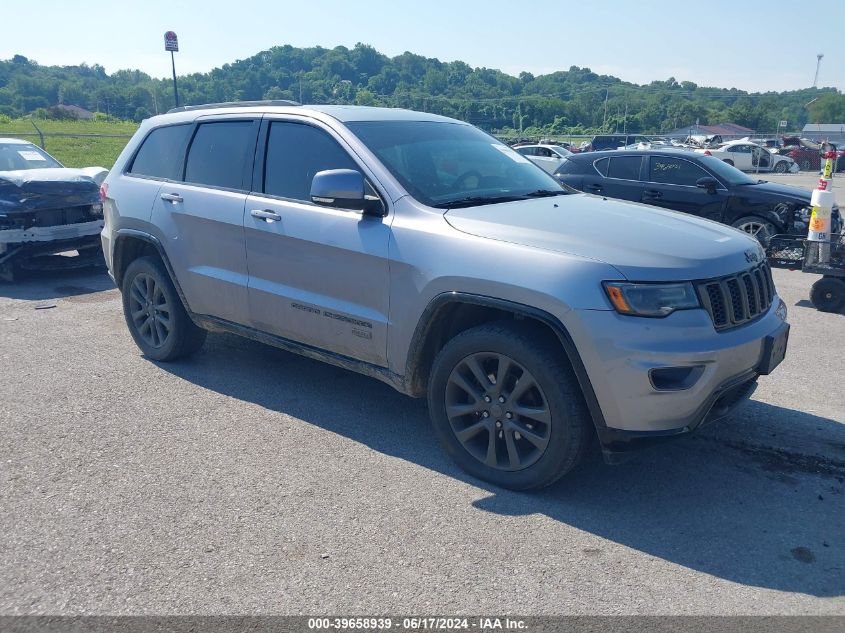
(295, 152)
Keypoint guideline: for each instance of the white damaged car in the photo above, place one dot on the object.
(46, 208)
(748, 156)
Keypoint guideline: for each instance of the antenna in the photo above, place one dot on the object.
(818, 64)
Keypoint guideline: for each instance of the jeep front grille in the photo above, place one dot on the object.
(737, 299)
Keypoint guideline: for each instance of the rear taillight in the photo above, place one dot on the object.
(707, 152)
(104, 190)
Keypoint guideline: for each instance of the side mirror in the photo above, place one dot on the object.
(707, 183)
(338, 188)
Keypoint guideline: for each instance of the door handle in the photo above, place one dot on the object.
(594, 187)
(266, 215)
(175, 198)
(653, 193)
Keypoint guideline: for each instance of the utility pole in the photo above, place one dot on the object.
(818, 64)
(171, 43)
(604, 120)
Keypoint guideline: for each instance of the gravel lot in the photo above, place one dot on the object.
(249, 480)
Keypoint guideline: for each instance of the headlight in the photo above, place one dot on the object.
(651, 300)
(803, 214)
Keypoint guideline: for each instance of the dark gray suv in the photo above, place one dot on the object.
(421, 251)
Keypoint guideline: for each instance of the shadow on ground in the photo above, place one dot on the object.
(749, 515)
(43, 285)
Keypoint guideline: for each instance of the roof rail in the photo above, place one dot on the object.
(235, 104)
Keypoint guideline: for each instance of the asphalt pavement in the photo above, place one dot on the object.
(250, 480)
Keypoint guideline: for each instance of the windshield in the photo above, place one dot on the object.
(444, 164)
(14, 156)
(726, 173)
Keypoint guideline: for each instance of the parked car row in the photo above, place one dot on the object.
(808, 154)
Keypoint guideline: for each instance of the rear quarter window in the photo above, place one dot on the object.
(601, 166)
(161, 153)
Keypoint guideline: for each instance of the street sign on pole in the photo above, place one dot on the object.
(782, 124)
(171, 42)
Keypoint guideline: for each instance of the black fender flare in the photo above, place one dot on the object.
(426, 320)
(117, 259)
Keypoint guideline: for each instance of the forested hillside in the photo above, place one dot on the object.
(571, 101)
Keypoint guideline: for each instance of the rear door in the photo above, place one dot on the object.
(317, 275)
(671, 184)
(202, 217)
(623, 177)
(740, 155)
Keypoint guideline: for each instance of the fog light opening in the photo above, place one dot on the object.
(674, 378)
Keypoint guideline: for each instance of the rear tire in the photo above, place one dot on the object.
(154, 312)
(828, 294)
(506, 406)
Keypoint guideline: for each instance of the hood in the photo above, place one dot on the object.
(788, 193)
(34, 189)
(643, 243)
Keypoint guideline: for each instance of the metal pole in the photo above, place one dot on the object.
(175, 89)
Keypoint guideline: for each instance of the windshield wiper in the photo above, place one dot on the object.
(544, 193)
(473, 201)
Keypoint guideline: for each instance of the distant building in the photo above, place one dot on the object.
(725, 130)
(833, 132)
(76, 112)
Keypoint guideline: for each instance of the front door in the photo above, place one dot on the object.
(671, 184)
(317, 275)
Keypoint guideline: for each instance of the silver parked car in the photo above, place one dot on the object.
(421, 251)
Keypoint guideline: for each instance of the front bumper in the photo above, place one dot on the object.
(619, 353)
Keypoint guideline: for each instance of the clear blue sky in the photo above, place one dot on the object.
(748, 44)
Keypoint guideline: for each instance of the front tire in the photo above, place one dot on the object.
(780, 167)
(506, 406)
(154, 313)
(729, 162)
(756, 227)
(828, 294)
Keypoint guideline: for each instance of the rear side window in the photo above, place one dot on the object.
(568, 167)
(674, 171)
(624, 167)
(161, 153)
(601, 166)
(219, 153)
(295, 152)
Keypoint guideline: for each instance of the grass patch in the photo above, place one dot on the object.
(75, 151)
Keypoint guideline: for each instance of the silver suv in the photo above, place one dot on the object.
(421, 251)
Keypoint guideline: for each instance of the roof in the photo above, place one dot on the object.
(671, 151)
(343, 113)
(12, 141)
(838, 128)
(80, 113)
